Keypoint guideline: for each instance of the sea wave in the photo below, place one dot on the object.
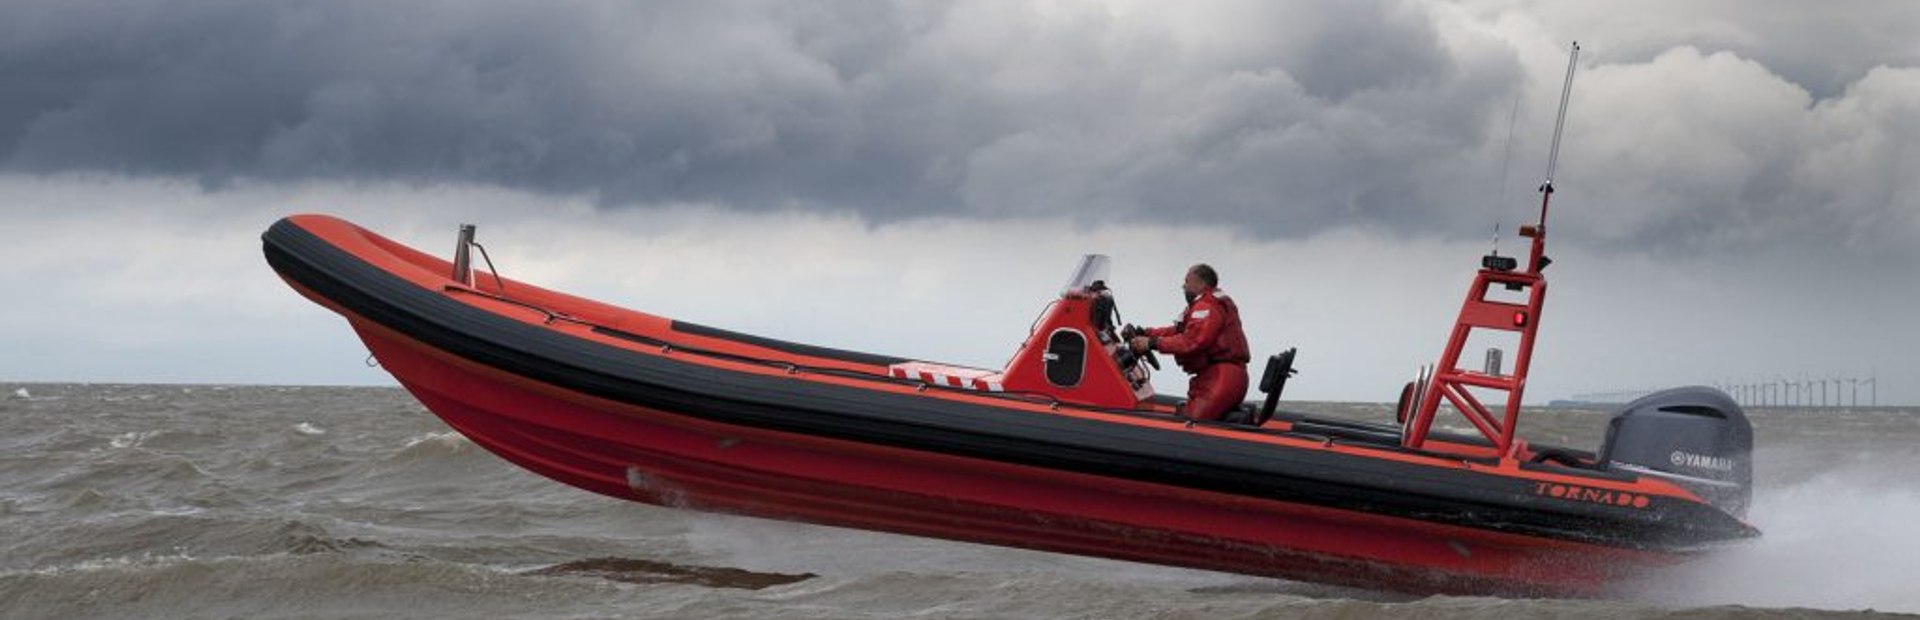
(292, 586)
(129, 439)
(435, 444)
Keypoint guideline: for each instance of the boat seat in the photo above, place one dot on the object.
(1273, 381)
(949, 376)
(1244, 414)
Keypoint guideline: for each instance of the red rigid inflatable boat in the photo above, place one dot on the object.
(1066, 449)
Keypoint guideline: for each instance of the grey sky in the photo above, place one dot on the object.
(1712, 134)
(1287, 118)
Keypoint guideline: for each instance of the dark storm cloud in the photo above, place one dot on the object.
(892, 109)
(1287, 118)
(661, 102)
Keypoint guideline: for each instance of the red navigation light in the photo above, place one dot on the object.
(1519, 318)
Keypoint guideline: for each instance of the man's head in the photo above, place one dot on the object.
(1199, 278)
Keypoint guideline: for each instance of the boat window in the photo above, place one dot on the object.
(1066, 357)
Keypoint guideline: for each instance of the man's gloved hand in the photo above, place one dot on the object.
(1128, 332)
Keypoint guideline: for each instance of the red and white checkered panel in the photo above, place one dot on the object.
(950, 376)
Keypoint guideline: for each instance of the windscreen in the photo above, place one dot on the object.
(1093, 268)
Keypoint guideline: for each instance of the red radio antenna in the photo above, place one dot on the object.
(1535, 262)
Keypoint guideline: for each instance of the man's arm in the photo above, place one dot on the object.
(1201, 327)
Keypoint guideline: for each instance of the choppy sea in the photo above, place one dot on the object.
(156, 501)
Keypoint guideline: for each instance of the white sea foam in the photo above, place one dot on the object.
(307, 428)
(444, 438)
(1844, 539)
(22, 394)
(119, 563)
(129, 440)
(177, 511)
(435, 444)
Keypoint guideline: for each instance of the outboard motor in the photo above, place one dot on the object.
(1695, 437)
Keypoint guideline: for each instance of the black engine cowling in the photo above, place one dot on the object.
(1695, 437)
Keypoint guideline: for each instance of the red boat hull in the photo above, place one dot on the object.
(660, 458)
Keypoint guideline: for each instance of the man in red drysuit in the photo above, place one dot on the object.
(1208, 342)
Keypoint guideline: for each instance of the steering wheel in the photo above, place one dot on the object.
(1127, 335)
